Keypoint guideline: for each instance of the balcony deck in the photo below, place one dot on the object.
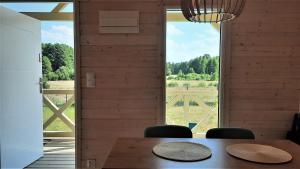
(58, 153)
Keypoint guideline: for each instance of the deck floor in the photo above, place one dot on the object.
(58, 153)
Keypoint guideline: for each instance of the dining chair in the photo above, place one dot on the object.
(168, 131)
(230, 133)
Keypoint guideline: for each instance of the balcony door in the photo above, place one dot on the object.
(21, 114)
(192, 73)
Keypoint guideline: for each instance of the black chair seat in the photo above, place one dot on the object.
(294, 133)
(230, 133)
(168, 131)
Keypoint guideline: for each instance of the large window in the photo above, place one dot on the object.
(192, 73)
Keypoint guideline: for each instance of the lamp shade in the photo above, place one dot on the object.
(211, 10)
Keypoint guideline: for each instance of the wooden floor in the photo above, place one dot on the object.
(58, 153)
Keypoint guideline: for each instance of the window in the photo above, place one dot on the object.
(192, 73)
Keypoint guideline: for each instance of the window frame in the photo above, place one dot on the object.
(224, 62)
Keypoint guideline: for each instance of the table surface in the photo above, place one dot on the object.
(136, 153)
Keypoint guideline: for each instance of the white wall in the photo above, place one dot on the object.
(20, 100)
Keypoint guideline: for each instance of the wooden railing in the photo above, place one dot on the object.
(182, 100)
(58, 112)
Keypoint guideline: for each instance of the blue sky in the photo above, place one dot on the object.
(185, 40)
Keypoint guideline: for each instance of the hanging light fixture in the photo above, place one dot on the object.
(211, 10)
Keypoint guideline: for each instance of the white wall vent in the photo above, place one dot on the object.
(118, 21)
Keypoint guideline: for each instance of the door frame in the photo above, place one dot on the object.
(78, 135)
(224, 86)
(78, 114)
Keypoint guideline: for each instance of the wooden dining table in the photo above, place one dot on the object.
(136, 153)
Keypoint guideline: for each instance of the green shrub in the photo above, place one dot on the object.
(193, 76)
(52, 76)
(171, 77)
(46, 84)
(173, 84)
(64, 73)
(212, 104)
(193, 103)
(179, 104)
(214, 76)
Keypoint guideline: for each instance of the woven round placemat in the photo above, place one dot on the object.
(259, 153)
(182, 151)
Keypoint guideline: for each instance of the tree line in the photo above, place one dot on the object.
(58, 64)
(203, 67)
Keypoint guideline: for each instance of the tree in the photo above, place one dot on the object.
(195, 64)
(60, 58)
(176, 68)
(184, 67)
(203, 63)
(53, 77)
(191, 70)
(180, 73)
(168, 69)
(59, 55)
(63, 73)
(212, 66)
(46, 67)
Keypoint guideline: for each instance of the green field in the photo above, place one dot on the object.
(62, 84)
(192, 102)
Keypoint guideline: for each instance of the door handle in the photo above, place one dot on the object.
(41, 85)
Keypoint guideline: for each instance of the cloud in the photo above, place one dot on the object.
(176, 51)
(192, 45)
(58, 34)
(173, 30)
(64, 29)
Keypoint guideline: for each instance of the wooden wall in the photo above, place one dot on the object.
(129, 76)
(264, 69)
(260, 85)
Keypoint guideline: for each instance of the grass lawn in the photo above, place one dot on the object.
(58, 125)
(192, 102)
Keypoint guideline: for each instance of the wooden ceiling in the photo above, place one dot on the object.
(55, 14)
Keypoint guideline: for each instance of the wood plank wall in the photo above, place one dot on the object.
(129, 76)
(262, 82)
(265, 67)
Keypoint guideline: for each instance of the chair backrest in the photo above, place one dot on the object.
(168, 131)
(230, 133)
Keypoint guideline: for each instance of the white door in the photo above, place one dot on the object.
(21, 116)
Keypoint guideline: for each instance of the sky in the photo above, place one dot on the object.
(185, 40)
